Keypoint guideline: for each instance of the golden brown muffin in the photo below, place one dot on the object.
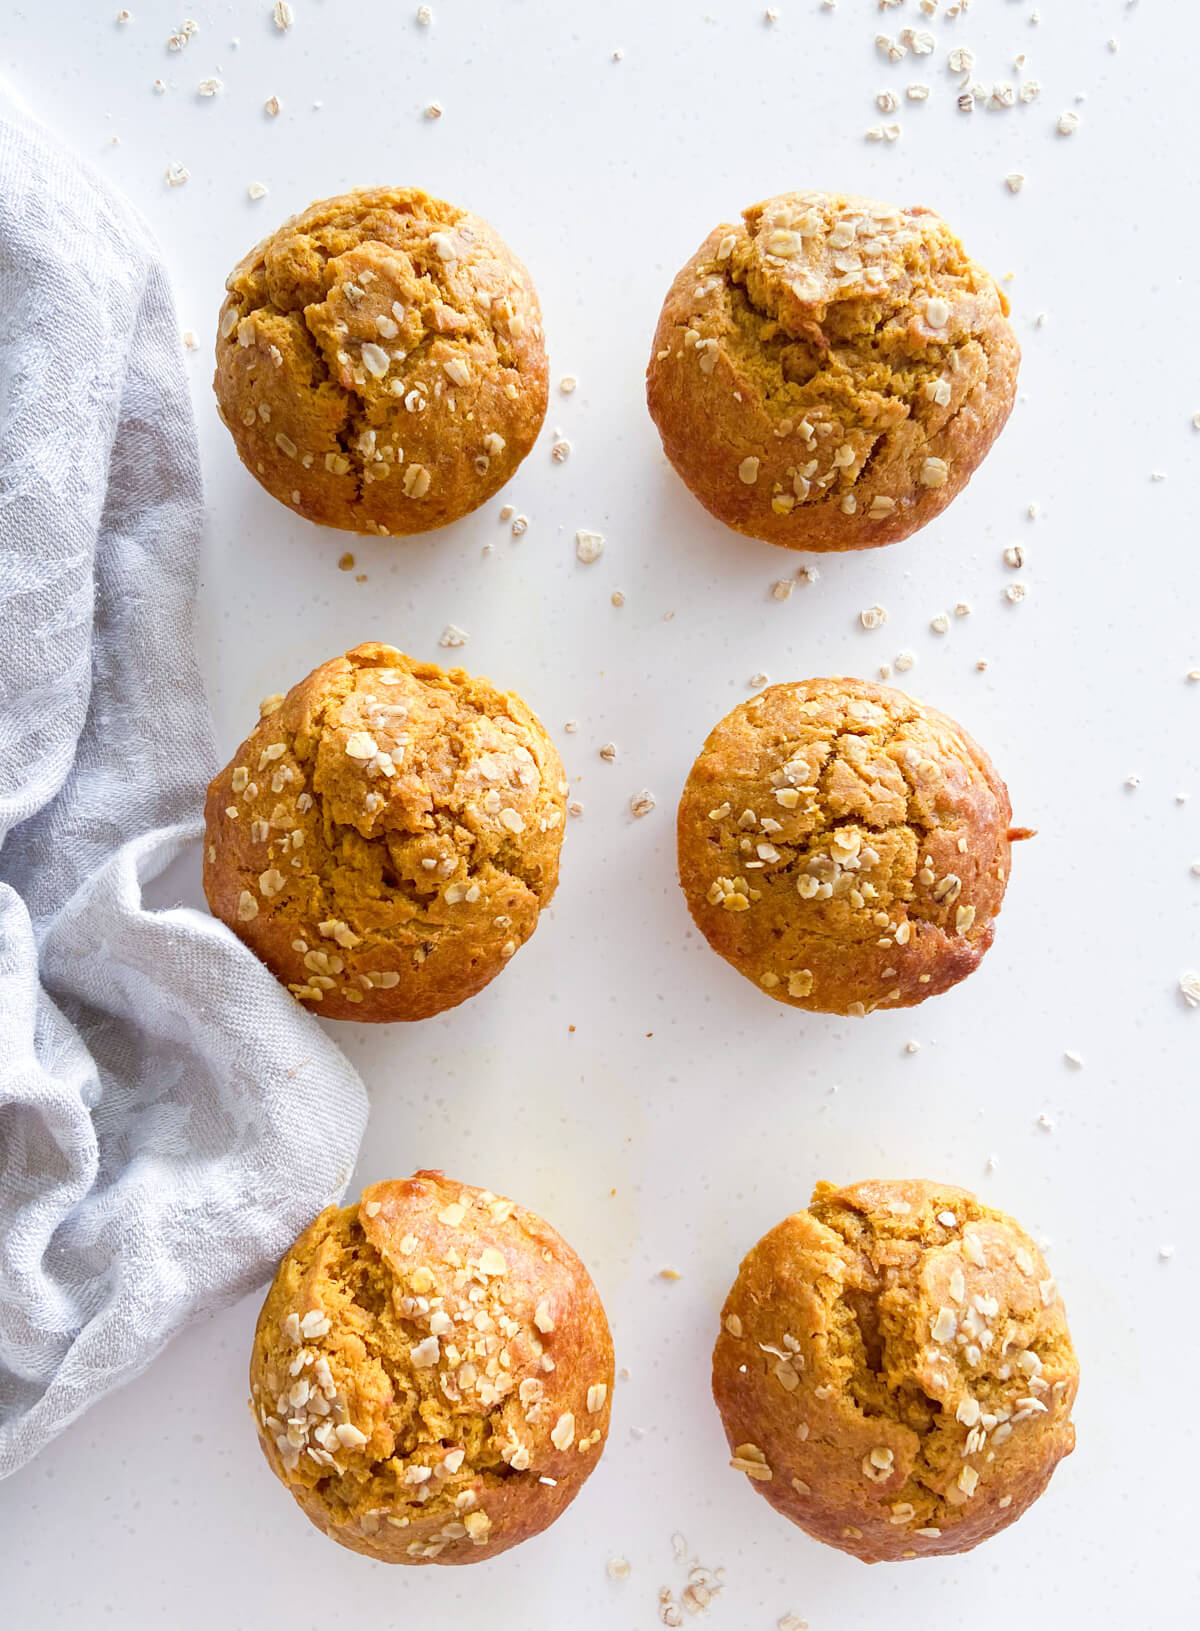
(844, 847)
(828, 374)
(387, 835)
(380, 361)
(894, 1370)
(432, 1373)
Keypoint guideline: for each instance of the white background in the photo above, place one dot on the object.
(618, 1077)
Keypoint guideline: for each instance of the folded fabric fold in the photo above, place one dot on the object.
(169, 1117)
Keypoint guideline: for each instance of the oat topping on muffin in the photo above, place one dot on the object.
(828, 373)
(843, 846)
(380, 362)
(894, 1370)
(387, 835)
(432, 1373)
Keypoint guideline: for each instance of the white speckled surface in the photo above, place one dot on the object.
(684, 1112)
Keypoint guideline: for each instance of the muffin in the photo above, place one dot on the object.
(894, 1370)
(386, 836)
(829, 373)
(380, 362)
(432, 1373)
(844, 847)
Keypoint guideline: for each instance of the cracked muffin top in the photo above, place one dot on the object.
(829, 373)
(843, 846)
(432, 1373)
(894, 1370)
(380, 362)
(387, 835)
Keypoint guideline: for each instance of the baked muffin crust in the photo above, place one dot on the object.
(894, 1370)
(432, 1373)
(843, 846)
(387, 835)
(828, 373)
(380, 361)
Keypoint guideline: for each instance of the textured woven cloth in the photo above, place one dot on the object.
(169, 1117)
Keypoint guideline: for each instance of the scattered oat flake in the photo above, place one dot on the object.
(283, 15)
(1068, 123)
(256, 190)
(873, 617)
(642, 803)
(589, 546)
(209, 87)
(617, 1568)
(1074, 1058)
(124, 16)
(1165, 1253)
(782, 588)
(793, 1622)
(608, 752)
(940, 623)
(617, 597)
(904, 661)
(567, 384)
(452, 635)
(560, 451)
(1014, 181)
(190, 340)
(176, 174)
(1189, 986)
(424, 15)
(1046, 1122)
(669, 1274)
(434, 110)
(1016, 592)
(271, 107)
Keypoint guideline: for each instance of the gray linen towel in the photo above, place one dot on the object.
(169, 1117)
